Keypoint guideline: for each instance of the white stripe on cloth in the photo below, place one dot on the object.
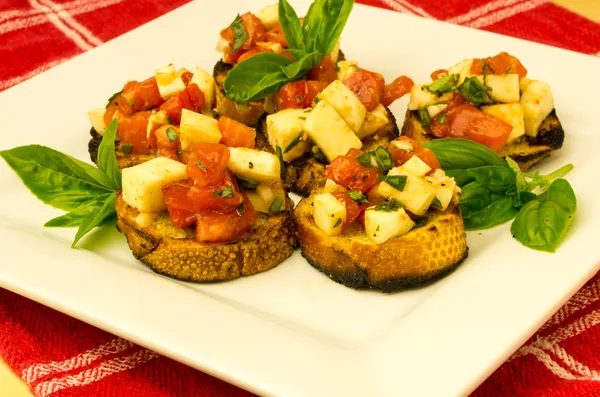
(582, 299)
(96, 373)
(506, 13)
(416, 9)
(482, 10)
(69, 20)
(38, 371)
(60, 25)
(397, 7)
(4, 84)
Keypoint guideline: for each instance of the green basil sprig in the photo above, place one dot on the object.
(475, 92)
(263, 74)
(240, 35)
(61, 181)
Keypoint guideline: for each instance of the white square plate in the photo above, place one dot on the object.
(291, 331)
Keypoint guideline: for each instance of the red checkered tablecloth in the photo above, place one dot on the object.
(62, 357)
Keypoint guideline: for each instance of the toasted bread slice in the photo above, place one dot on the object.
(417, 257)
(175, 252)
(306, 174)
(527, 153)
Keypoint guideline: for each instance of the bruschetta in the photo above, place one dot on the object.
(385, 219)
(491, 101)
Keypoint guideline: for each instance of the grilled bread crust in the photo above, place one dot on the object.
(416, 258)
(175, 252)
(527, 153)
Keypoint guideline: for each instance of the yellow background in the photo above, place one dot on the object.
(11, 385)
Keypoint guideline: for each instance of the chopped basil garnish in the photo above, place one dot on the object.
(126, 148)
(358, 197)
(421, 222)
(275, 205)
(442, 118)
(380, 158)
(367, 159)
(436, 203)
(247, 183)
(298, 97)
(442, 85)
(396, 181)
(338, 222)
(240, 209)
(112, 97)
(201, 166)
(172, 134)
(293, 143)
(225, 193)
(280, 157)
(386, 206)
(377, 229)
(475, 92)
(424, 116)
(239, 33)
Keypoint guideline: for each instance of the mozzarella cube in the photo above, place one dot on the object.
(169, 82)
(462, 69)
(257, 202)
(416, 166)
(382, 225)
(374, 120)
(505, 87)
(332, 187)
(142, 183)
(537, 102)
(254, 165)
(523, 83)
(329, 214)
(402, 145)
(417, 194)
(284, 128)
(444, 187)
(96, 117)
(196, 128)
(421, 97)
(375, 195)
(345, 69)
(269, 193)
(269, 15)
(434, 110)
(155, 121)
(330, 132)
(206, 83)
(510, 113)
(346, 103)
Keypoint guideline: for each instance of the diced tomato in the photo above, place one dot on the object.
(254, 28)
(224, 196)
(167, 141)
(396, 90)
(142, 96)
(324, 71)
(214, 227)
(132, 131)
(471, 123)
(501, 63)
(251, 52)
(190, 98)
(232, 57)
(348, 172)
(275, 34)
(207, 164)
(118, 105)
(181, 207)
(187, 77)
(368, 87)
(401, 156)
(438, 73)
(353, 209)
(440, 124)
(298, 95)
(236, 134)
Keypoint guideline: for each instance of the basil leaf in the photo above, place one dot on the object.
(239, 33)
(497, 179)
(496, 213)
(256, 77)
(297, 54)
(96, 218)
(358, 197)
(107, 159)
(398, 182)
(384, 159)
(56, 178)
(442, 85)
(542, 223)
(424, 116)
(520, 181)
(77, 215)
(302, 65)
(474, 92)
(367, 159)
(324, 23)
(290, 24)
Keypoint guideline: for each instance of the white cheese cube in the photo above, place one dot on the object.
(142, 183)
(417, 194)
(206, 83)
(402, 145)
(196, 128)
(96, 117)
(269, 193)
(374, 120)
(462, 69)
(330, 132)
(145, 219)
(505, 87)
(284, 128)
(375, 195)
(510, 113)
(537, 102)
(434, 110)
(421, 97)
(523, 83)
(257, 202)
(346, 103)
(445, 191)
(382, 225)
(254, 165)
(169, 82)
(331, 187)
(155, 121)
(416, 166)
(345, 69)
(269, 15)
(329, 214)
